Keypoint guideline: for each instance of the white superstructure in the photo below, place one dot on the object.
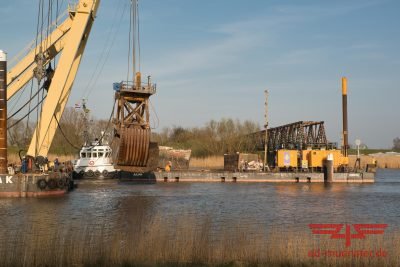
(94, 161)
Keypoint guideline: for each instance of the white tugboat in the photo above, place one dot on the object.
(95, 161)
(95, 158)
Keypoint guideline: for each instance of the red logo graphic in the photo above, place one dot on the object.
(335, 229)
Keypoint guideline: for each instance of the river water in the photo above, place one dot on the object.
(107, 207)
(261, 204)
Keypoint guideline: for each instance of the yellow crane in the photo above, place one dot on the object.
(132, 149)
(69, 40)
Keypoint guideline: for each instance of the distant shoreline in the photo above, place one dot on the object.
(384, 160)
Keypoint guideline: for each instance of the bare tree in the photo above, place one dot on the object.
(19, 134)
(69, 134)
(396, 143)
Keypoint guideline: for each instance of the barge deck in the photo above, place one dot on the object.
(269, 177)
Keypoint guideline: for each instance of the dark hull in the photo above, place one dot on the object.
(35, 185)
(123, 176)
(136, 177)
(78, 176)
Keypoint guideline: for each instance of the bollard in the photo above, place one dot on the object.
(328, 169)
(345, 118)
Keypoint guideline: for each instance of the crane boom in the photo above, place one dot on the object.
(70, 38)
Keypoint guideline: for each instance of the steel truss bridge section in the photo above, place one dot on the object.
(298, 135)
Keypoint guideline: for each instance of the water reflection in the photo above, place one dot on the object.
(107, 208)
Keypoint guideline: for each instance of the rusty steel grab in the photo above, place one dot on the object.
(132, 148)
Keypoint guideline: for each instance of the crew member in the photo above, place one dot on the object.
(24, 165)
(246, 166)
(168, 166)
(56, 164)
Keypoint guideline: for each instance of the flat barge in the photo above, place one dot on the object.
(258, 177)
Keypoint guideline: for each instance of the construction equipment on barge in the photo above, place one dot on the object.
(303, 145)
(66, 39)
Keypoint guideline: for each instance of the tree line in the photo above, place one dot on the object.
(214, 138)
(69, 136)
(396, 143)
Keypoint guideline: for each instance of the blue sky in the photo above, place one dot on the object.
(214, 58)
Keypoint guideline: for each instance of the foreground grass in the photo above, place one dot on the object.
(184, 242)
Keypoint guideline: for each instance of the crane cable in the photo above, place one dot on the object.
(58, 8)
(105, 53)
(17, 99)
(39, 102)
(129, 43)
(39, 35)
(39, 15)
(134, 39)
(27, 115)
(108, 124)
(155, 112)
(102, 136)
(36, 44)
(134, 17)
(138, 32)
(26, 103)
(63, 134)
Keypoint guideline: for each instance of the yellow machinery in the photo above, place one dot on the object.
(68, 38)
(286, 158)
(316, 158)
